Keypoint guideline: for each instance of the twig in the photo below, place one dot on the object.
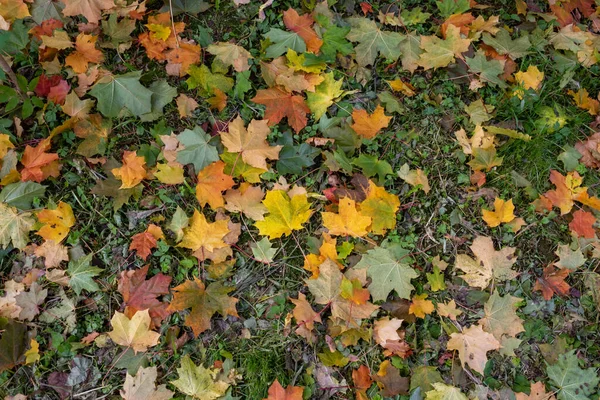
(11, 75)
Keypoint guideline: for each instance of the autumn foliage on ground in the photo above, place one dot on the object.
(299, 200)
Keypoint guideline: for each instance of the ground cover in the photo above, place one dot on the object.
(299, 199)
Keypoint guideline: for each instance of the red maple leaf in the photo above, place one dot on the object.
(582, 224)
(143, 243)
(553, 281)
(141, 294)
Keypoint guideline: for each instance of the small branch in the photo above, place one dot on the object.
(13, 78)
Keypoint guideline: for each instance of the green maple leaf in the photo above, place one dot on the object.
(81, 273)
(14, 227)
(387, 273)
(488, 70)
(294, 159)
(282, 41)
(206, 81)
(372, 41)
(485, 159)
(372, 165)
(21, 194)
(116, 92)
(504, 44)
(424, 377)
(449, 7)
(334, 39)
(411, 51)
(573, 382)
(13, 342)
(263, 250)
(198, 150)
(162, 94)
(118, 31)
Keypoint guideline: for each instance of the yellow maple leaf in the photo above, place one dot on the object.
(11, 10)
(57, 222)
(5, 144)
(583, 100)
(202, 234)
(398, 85)
(414, 177)
(420, 306)
(348, 221)
(134, 332)
(251, 143)
(33, 354)
(531, 79)
(132, 172)
(159, 32)
(212, 182)
(169, 174)
(285, 214)
(367, 125)
(328, 250)
(503, 212)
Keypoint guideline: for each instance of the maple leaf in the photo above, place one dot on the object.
(538, 392)
(324, 95)
(372, 40)
(362, 381)
(30, 301)
(305, 317)
(503, 212)
(583, 224)
(327, 250)
(367, 125)
(169, 174)
(385, 331)
(388, 378)
(202, 235)
(504, 45)
(553, 281)
(204, 302)
(574, 382)
(441, 391)
(199, 382)
(382, 207)
(142, 386)
(584, 101)
(248, 200)
(133, 170)
(53, 252)
(348, 222)
(231, 54)
(438, 53)
(277, 392)
(143, 243)
(186, 105)
(116, 92)
(94, 130)
(531, 79)
(85, 53)
(218, 101)
(182, 58)
(388, 272)
(39, 165)
(285, 214)
(140, 293)
(500, 317)
(490, 264)
(302, 25)
(76, 108)
(212, 182)
(420, 307)
(251, 142)
(13, 9)
(448, 310)
(282, 104)
(414, 177)
(472, 345)
(90, 9)
(14, 226)
(5, 144)
(134, 332)
(57, 222)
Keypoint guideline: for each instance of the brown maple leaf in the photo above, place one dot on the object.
(281, 104)
(553, 281)
(90, 9)
(140, 293)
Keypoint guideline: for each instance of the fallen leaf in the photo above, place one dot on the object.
(132, 172)
(285, 214)
(281, 104)
(503, 212)
(212, 182)
(251, 143)
(134, 332)
(368, 125)
(583, 224)
(348, 221)
(420, 306)
(56, 223)
(277, 392)
(472, 346)
(142, 386)
(553, 282)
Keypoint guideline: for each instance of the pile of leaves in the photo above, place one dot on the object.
(299, 200)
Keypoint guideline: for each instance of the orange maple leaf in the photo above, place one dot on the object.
(182, 57)
(143, 243)
(133, 170)
(583, 224)
(367, 125)
(282, 104)
(212, 182)
(302, 25)
(38, 164)
(277, 392)
(218, 101)
(85, 53)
